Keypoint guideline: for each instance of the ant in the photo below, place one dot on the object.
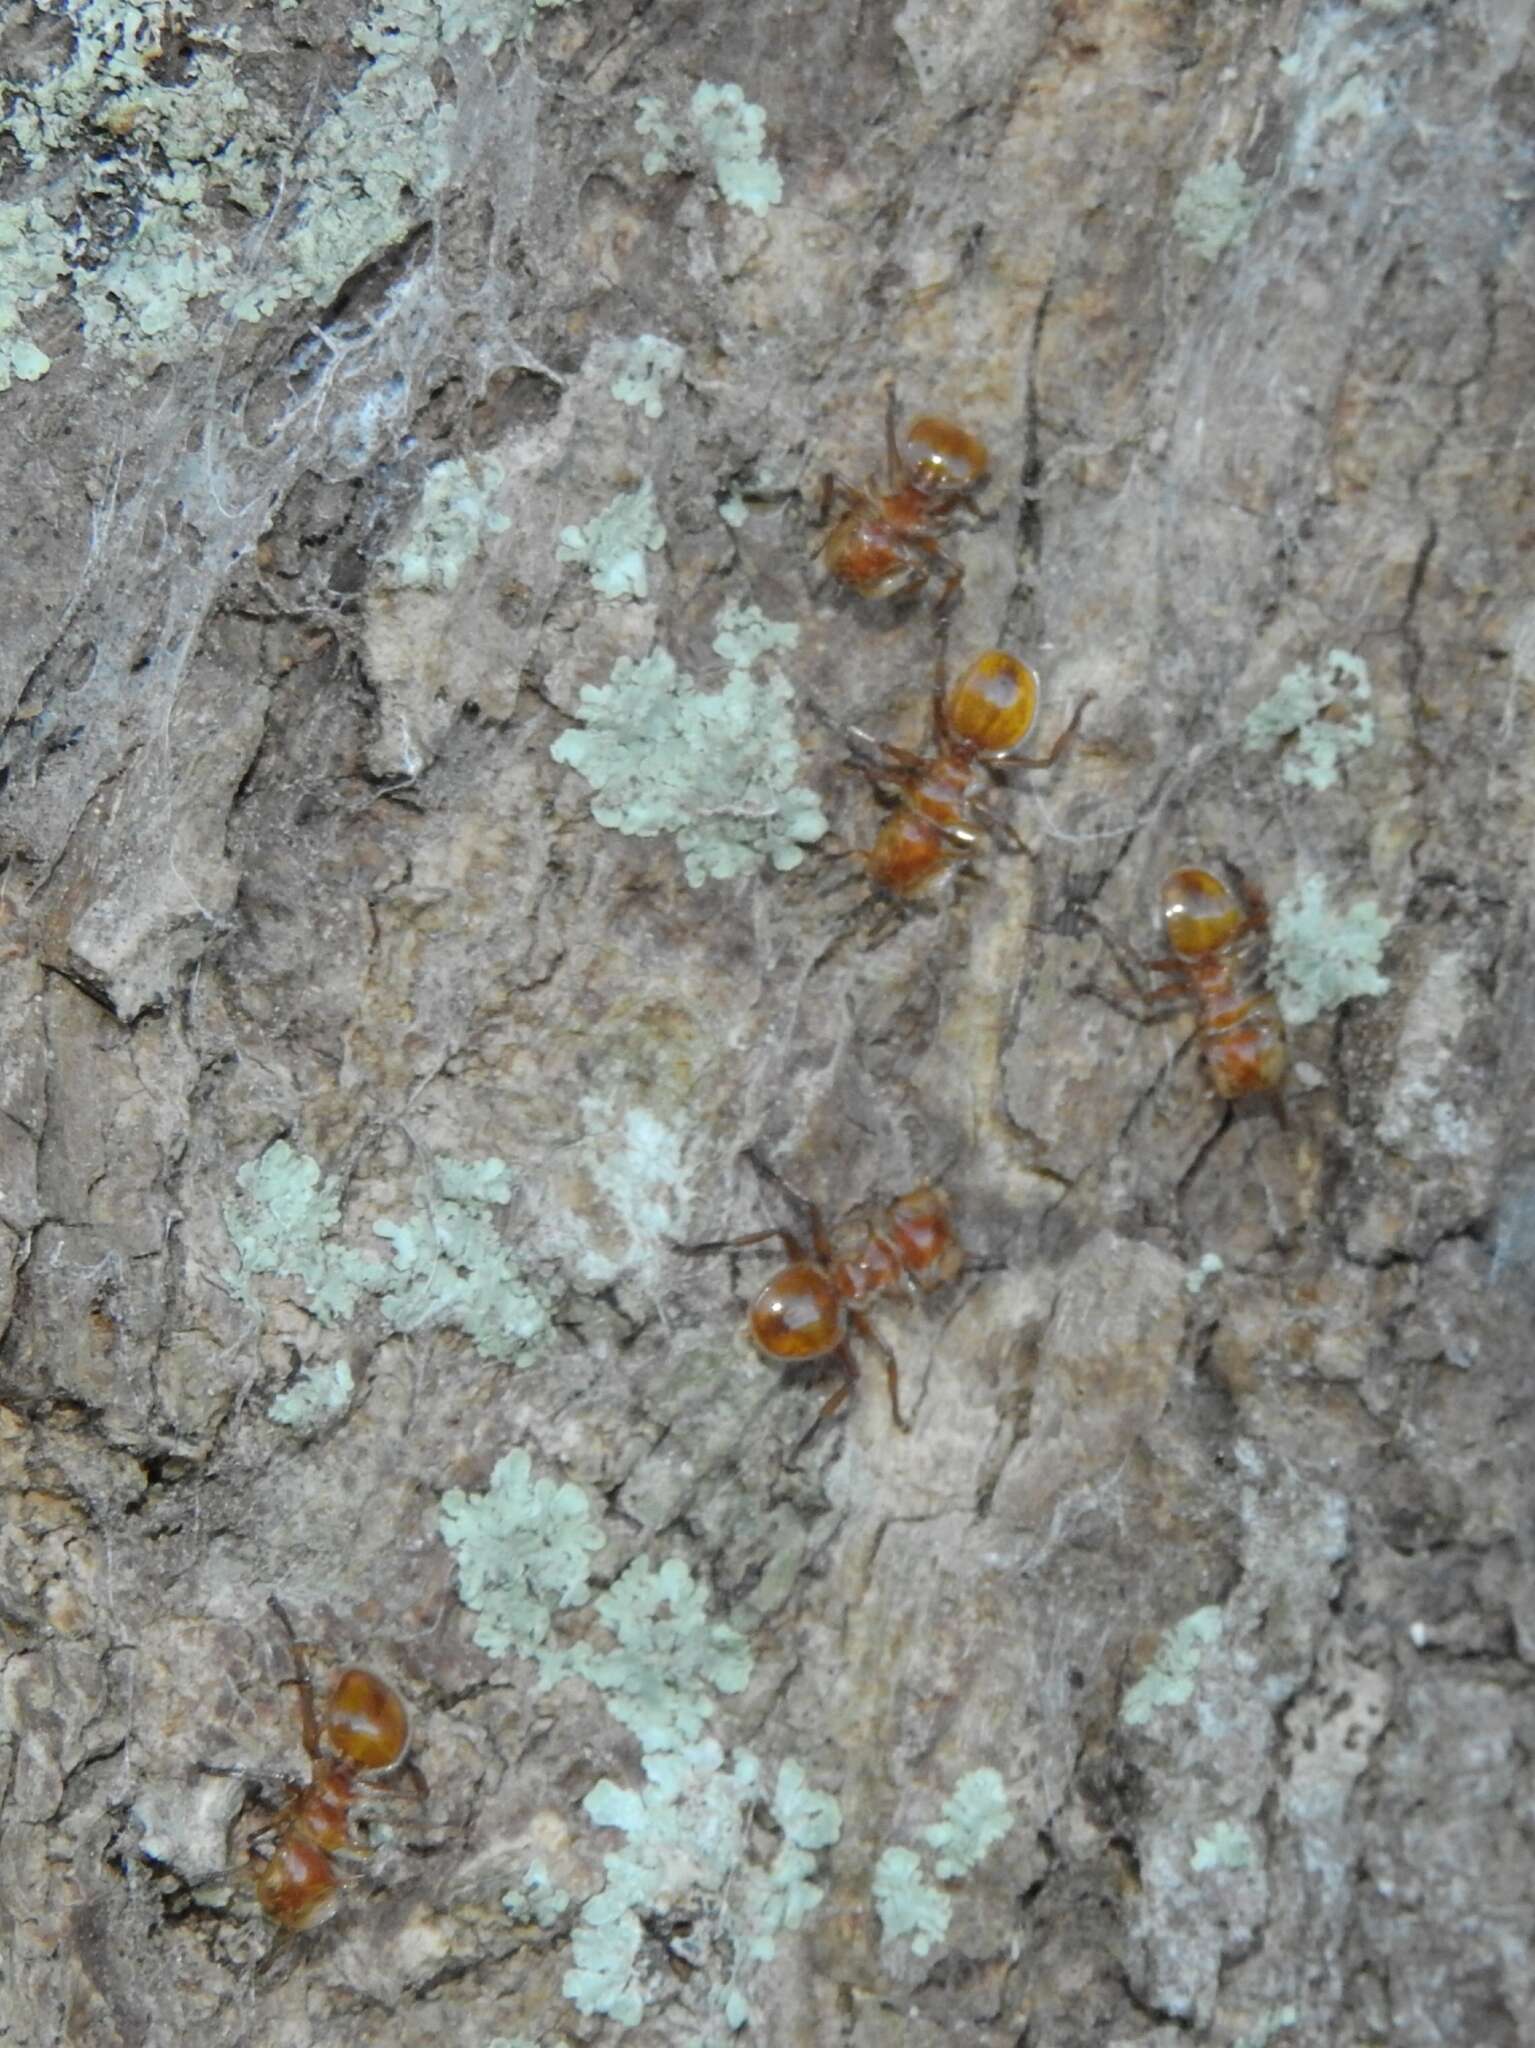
(1218, 931)
(980, 719)
(807, 1309)
(365, 1731)
(885, 544)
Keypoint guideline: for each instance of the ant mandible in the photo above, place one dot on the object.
(980, 719)
(805, 1312)
(365, 1731)
(1218, 931)
(885, 543)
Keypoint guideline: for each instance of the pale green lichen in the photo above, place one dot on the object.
(279, 1223)
(669, 1658)
(450, 1266)
(734, 510)
(638, 1164)
(1323, 958)
(666, 142)
(523, 1551)
(688, 1835)
(1198, 1277)
(715, 768)
(152, 165)
(744, 635)
(538, 1899)
(33, 258)
(1277, 2021)
(1304, 710)
(646, 367)
(614, 544)
(1168, 1680)
(907, 1903)
(731, 130)
(448, 528)
(317, 1396)
(1226, 1847)
(1215, 209)
(975, 1818)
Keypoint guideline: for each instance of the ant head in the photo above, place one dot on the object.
(991, 705)
(944, 460)
(798, 1315)
(366, 1722)
(1201, 911)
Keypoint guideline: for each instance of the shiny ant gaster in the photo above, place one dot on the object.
(365, 1731)
(980, 719)
(885, 543)
(1218, 931)
(807, 1310)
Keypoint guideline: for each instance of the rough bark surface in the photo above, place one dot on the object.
(1206, 1567)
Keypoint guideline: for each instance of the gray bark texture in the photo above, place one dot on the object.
(379, 380)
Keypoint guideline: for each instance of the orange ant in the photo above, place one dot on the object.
(980, 719)
(1218, 931)
(806, 1310)
(365, 1731)
(885, 544)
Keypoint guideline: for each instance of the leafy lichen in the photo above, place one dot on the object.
(688, 1835)
(975, 1818)
(1304, 710)
(450, 1265)
(448, 528)
(317, 1396)
(1215, 209)
(669, 1657)
(645, 369)
(733, 130)
(523, 1549)
(157, 164)
(614, 544)
(714, 768)
(730, 131)
(1323, 958)
(907, 1903)
(33, 258)
(1168, 1680)
(537, 1899)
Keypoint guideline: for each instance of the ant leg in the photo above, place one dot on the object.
(870, 1335)
(1142, 1006)
(309, 1720)
(789, 1241)
(955, 578)
(1062, 743)
(999, 828)
(406, 1780)
(835, 1400)
(903, 761)
(834, 487)
(766, 1171)
(894, 461)
(1131, 965)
